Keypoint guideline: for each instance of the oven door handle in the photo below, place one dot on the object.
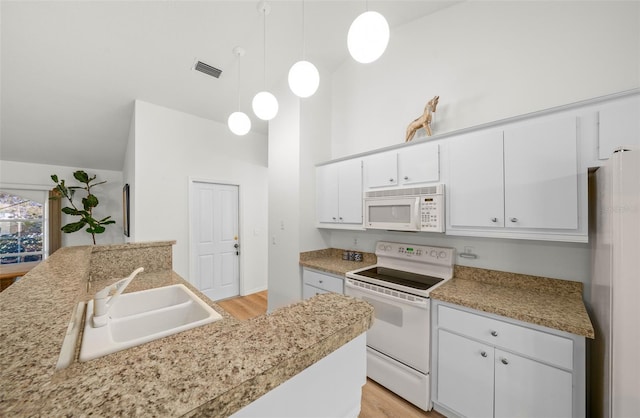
(419, 301)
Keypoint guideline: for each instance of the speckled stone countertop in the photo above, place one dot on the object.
(330, 260)
(547, 302)
(213, 370)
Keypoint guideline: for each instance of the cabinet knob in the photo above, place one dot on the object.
(334, 218)
(494, 219)
(504, 361)
(320, 281)
(340, 218)
(514, 219)
(483, 353)
(390, 180)
(406, 177)
(494, 333)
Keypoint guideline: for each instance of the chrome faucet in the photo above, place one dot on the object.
(102, 302)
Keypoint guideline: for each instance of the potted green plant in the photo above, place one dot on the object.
(94, 226)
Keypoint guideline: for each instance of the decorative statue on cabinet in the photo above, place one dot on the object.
(423, 121)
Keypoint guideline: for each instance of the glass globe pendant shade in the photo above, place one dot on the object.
(368, 37)
(304, 79)
(239, 123)
(265, 105)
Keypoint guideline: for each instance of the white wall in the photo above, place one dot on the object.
(284, 201)
(170, 148)
(487, 61)
(14, 174)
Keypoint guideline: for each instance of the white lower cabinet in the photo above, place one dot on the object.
(489, 367)
(315, 282)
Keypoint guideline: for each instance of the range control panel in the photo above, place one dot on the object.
(419, 253)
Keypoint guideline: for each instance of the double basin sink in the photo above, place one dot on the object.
(139, 317)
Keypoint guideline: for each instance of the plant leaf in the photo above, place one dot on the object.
(54, 177)
(81, 176)
(71, 211)
(73, 227)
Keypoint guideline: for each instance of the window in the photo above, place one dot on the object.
(21, 227)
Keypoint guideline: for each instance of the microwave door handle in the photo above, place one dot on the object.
(417, 213)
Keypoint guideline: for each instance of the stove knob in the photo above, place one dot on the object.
(442, 254)
(381, 247)
(433, 253)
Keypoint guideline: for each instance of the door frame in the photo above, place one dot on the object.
(193, 180)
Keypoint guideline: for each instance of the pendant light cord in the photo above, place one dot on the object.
(238, 83)
(303, 42)
(264, 48)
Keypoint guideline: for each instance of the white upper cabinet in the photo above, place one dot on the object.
(419, 164)
(517, 182)
(619, 126)
(410, 165)
(541, 174)
(381, 169)
(339, 194)
(476, 192)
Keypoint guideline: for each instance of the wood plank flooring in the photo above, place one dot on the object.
(377, 401)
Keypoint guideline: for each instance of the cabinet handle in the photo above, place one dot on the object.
(494, 333)
(406, 177)
(494, 219)
(483, 353)
(514, 219)
(504, 361)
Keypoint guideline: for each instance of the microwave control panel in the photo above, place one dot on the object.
(432, 213)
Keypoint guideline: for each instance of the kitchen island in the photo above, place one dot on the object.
(214, 370)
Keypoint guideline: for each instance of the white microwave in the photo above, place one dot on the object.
(406, 209)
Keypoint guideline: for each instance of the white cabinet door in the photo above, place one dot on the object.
(382, 169)
(419, 164)
(350, 191)
(339, 193)
(541, 174)
(476, 194)
(327, 193)
(526, 388)
(309, 291)
(619, 125)
(465, 375)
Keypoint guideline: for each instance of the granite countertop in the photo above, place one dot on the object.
(330, 260)
(213, 370)
(542, 301)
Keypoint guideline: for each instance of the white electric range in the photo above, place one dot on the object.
(398, 287)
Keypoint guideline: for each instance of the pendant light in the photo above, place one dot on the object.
(304, 77)
(239, 123)
(265, 104)
(368, 37)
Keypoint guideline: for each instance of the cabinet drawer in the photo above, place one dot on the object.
(323, 281)
(551, 349)
(309, 291)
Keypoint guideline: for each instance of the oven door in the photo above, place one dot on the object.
(397, 214)
(400, 329)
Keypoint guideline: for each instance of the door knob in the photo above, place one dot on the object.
(236, 246)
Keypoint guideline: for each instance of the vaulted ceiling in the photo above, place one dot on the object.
(71, 70)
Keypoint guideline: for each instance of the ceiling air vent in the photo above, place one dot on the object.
(207, 69)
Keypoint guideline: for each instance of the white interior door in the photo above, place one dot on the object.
(214, 237)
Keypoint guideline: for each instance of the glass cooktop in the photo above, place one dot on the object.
(402, 278)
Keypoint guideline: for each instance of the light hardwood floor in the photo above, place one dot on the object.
(377, 402)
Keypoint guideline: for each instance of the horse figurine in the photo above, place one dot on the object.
(423, 121)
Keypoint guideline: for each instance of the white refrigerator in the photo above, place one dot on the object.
(614, 297)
